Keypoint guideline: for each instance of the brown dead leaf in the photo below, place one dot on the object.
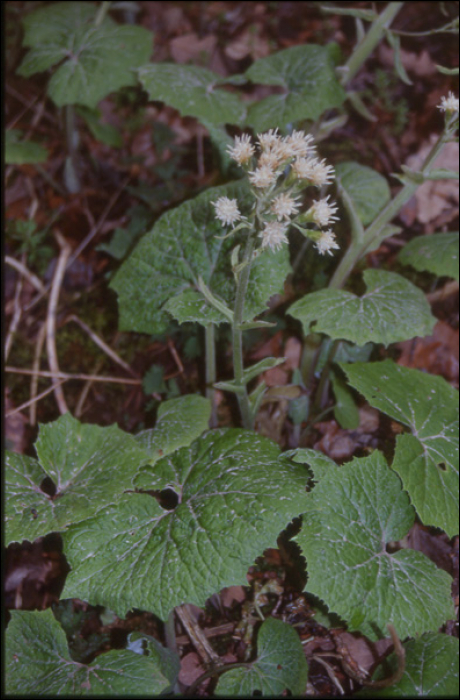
(276, 376)
(341, 444)
(231, 595)
(437, 353)
(190, 48)
(360, 653)
(292, 353)
(248, 43)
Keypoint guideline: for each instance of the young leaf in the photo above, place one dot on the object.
(38, 663)
(89, 466)
(352, 514)
(234, 498)
(186, 244)
(431, 670)
(192, 91)
(346, 411)
(94, 60)
(437, 253)
(391, 310)
(19, 152)
(426, 459)
(367, 189)
(307, 73)
(179, 422)
(280, 664)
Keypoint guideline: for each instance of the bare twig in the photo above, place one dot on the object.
(84, 392)
(83, 377)
(196, 634)
(100, 343)
(34, 399)
(23, 270)
(51, 319)
(41, 335)
(16, 318)
(330, 673)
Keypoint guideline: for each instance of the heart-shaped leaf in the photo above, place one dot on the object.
(193, 91)
(234, 498)
(437, 253)
(94, 60)
(391, 310)
(38, 663)
(185, 244)
(366, 188)
(307, 74)
(352, 515)
(426, 459)
(280, 664)
(89, 467)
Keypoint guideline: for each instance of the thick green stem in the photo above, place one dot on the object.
(370, 41)
(237, 333)
(359, 248)
(210, 359)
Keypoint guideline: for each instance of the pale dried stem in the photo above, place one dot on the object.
(25, 272)
(51, 320)
(100, 343)
(17, 313)
(65, 375)
(196, 634)
(34, 400)
(84, 392)
(41, 335)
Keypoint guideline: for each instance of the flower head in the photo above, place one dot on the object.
(269, 139)
(326, 243)
(317, 172)
(227, 210)
(300, 143)
(243, 150)
(284, 206)
(449, 103)
(274, 235)
(322, 212)
(263, 177)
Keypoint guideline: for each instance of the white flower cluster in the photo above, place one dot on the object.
(278, 170)
(449, 103)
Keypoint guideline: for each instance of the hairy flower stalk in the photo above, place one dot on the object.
(278, 168)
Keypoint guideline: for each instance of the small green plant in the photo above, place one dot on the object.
(218, 259)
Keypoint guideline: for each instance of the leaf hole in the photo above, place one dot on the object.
(442, 466)
(167, 498)
(48, 486)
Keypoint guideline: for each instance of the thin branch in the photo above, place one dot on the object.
(35, 398)
(23, 270)
(83, 377)
(196, 634)
(51, 319)
(16, 318)
(41, 335)
(100, 343)
(85, 391)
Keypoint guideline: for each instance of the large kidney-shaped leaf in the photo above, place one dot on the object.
(234, 498)
(352, 514)
(427, 458)
(186, 243)
(193, 91)
(179, 422)
(38, 663)
(437, 254)
(280, 664)
(365, 187)
(391, 310)
(307, 74)
(431, 670)
(89, 466)
(94, 60)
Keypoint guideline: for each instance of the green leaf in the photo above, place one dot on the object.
(19, 152)
(391, 310)
(234, 498)
(254, 370)
(186, 244)
(89, 466)
(192, 90)
(346, 411)
(431, 670)
(307, 74)
(437, 253)
(447, 71)
(352, 514)
(280, 664)
(38, 663)
(367, 189)
(320, 463)
(106, 133)
(94, 60)
(179, 422)
(426, 459)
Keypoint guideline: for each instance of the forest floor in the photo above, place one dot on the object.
(163, 159)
